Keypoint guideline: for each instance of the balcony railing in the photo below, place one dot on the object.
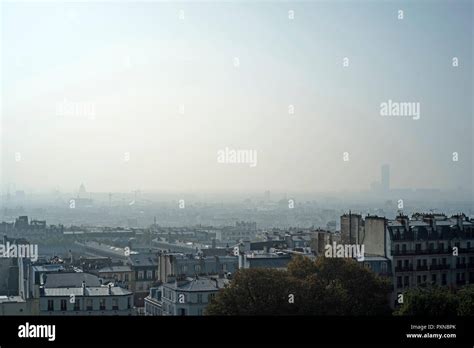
(404, 268)
(438, 267)
(421, 252)
(433, 251)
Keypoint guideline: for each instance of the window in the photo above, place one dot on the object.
(468, 245)
(129, 303)
(64, 305)
(406, 263)
(140, 275)
(77, 305)
(199, 296)
(149, 274)
(443, 279)
(50, 305)
(102, 304)
(197, 268)
(399, 263)
(425, 263)
(89, 304)
(434, 262)
(210, 297)
(406, 281)
(418, 279)
(115, 306)
(424, 279)
(418, 247)
(397, 249)
(443, 261)
(404, 248)
(182, 311)
(418, 263)
(200, 311)
(384, 267)
(126, 277)
(399, 282)
(441, 246)
(433, 278)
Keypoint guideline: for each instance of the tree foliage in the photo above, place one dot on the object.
(466, 301)
(328, 286)
(430, 301)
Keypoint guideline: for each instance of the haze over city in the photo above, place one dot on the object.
(143, 96)
(241, 161)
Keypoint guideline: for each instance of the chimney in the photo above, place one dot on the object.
(83, 288)
(110, 289)
(459, 220)
(403, 219)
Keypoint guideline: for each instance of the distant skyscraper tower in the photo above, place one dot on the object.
(385, 181)
(267, 196)
(82, 189)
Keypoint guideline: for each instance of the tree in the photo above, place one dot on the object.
(301, 267)
(255, 292)
(466, 300)
(358, 291)
(430, 301)
(329, 286)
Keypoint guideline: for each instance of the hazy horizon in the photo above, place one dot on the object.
(143, 96)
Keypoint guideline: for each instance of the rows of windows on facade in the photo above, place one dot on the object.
(178, 271)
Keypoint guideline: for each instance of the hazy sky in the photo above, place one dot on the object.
(128, 70)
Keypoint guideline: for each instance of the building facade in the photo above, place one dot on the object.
(432, 249)
(172, 265)
(82, 294)
(189, 297)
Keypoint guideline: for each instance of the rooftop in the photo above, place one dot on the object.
(115, 269)
(73, 279)
(197, 284)
(143, 259)
(11, 299)
(90, 291)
